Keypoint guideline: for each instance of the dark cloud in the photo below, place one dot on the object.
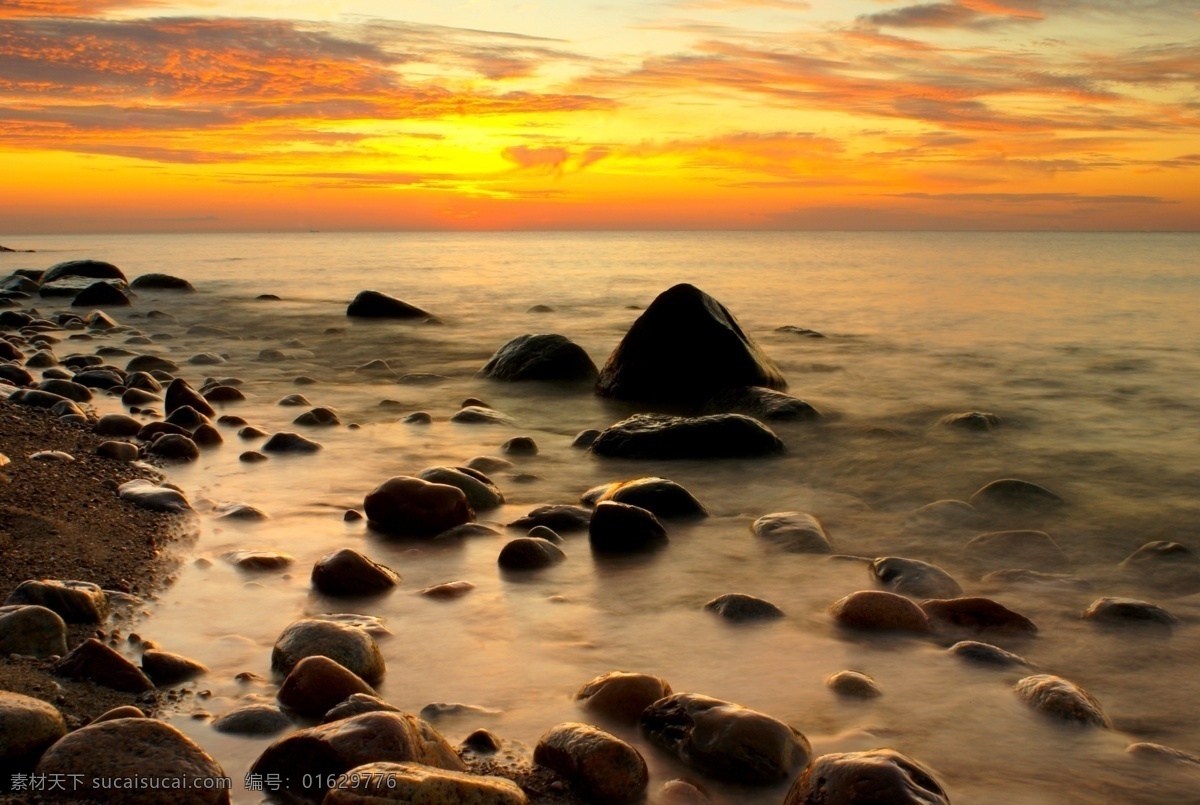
(1036, 198)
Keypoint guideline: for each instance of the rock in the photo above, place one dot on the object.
(285, 442)
(405, 504)
(101, 294)
(480, 415)
(559, 517)
(381, 783)
(519, 446)
(99, 379)
(318, 417)
(1161, 552)
(31, 630)
(1164, 753)
(132, 398)
(253, 719)
(355, 705)
(309, 760)
(489, 464)
(1014, 495)
(174, 447)
(914, 578)
(584, 439)
(1037, 580)
(15, 374)
(349, 646)
(28, 727)
(877, 776)
(152, 430)
(548, 534)
(376, 305)
(146, 494)
(117, 425)
(255, 561)
(95, 662)
(161, 282)
(686, 347)
(206, 359)
(725, 740)
(1057, 697)
(187, 418)
(74, 601)
(659, 436)
(482, 741)
(451, 589)
(223, 395)
(180, 393)
(977, 614)
(252, 457)
(540, 357)
(124, 711)
(739, 608)
(439, 710)
(529, 553)
(622, 696)
(418, 418)
(853, 683)
(251, 432)
(135, 748)
(36, 398)
(999, 550)
(794, 532)
(621, 528)
(166, 668)
(985, 653)
(66, 388)
(207, 436)
(877, 610)
(1128, 611)
(42, 359)
(151, 363)
(972, 420)
(481, 493)
(600, 766)
(348, 572)
(467, 531)
(89, 269)
(659, 496)
(318, 683)
(761, 403)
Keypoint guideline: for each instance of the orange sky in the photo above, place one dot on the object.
(127, 116)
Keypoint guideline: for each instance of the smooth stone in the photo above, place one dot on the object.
(540, 356)
(252, 457)
(355, 705)
(152, 430)
(763, 404)
(914, 578)
(376, 305)
(161, 282)
(976, 614)
(150, 363)
(101, 294)
(985, 653)
(318, 417)
(622, 528)
(1057, 697)
(481, 493)
(740, 608)
(186, 417)
(562, 518)
(28, 727)
(482, 741)
(529, 553)
(382, 783)
(349, 646)
(725, 740)
(1154, 751)
(681, 792)
(223, 395)
(285, 442)
(206, 359)
(174, 447)
(87, 268)
(480, 415)
(1015, 495)
(42, 359)
(375, 367)
(877, 610)
(294, 400)
(253, 719)
(439, 710)
(585, 438)
(135, 397)
(600, 766)
(51, 455)
(489, 464)
(686, 347)
(73, 601)
(32, 630)
(93, 661)
(1001, 550)
(420, 378)
(317, 684)
(660, 497)
(36, 398)
(548, 534)
(418, 418)
(467, 531)
(346, 572)
(207, 436)
(99, 379)
(450, 589)
(622, 696)
(117, 425)
(853, 683)
(794, 532)
(251, 432)
(971, 420)
(1128, 611)
(858, 778)
(1166, 568)
(15, 374)
(147, 495)
(73, 391)
(135, 748)
(659, 436)
(258, 560)
(124, 711)
(519, 446)
(319, 754)
(405, 504)
(168, 668)
(1037, 580)
(1161, 552)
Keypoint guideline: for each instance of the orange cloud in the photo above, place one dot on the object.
(11, 9)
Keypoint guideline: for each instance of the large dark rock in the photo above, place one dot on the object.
(659, 496)
(95, 662)
(559, 517)
(101, 294)
(348, 572)
(529, 553)
(404, 504)
(542, 356)
(794, 532)
(880, 776)
(914, 578)
(622, 528)
(481, 493)
(161, 282)
(383, 783)
(686, 347)
(761, 403)
(349, 646)
(1057, 697)
(622, 696)
(317, 684)
(739, 608)
(376, 305)
(168, 668)
(600, 766)
(28, 727)
(90, 269)
(32, 630)
(287, 442)
(73, 601)
(977, 614)
(660, 436)
(180, 393)
(726, 740)
(876, 610)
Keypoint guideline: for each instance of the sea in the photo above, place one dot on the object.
(1084, 345)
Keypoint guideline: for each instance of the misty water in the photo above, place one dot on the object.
(1084, 344)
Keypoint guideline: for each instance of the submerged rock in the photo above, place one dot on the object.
(915, 578)
(404, 504)
(1057, 697)
(481, 493)
(660, 497)
(659, 436)
(317, 684)
(347, 572)
(529, 553)
(999, 550)
(877, 610)
(1015, 495)
(480, 415)
(971, 420)
(562, 518)
(253, 719)
(622, 528)
(853, 683)
(978, 614)
(349, 646)
(622, 696)
(795, 532)
(762, 403)
(600, 766)
(858, 778)
(376, 305)
(985, 653)
(1128, 611)
(738, 607)
(285, 442)
(381, 783)
(540, 357)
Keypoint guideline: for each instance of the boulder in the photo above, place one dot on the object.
(255, 561)
(853, 683)
(187, 418)
(349, 646)
(739, 608)
(999, 550)
(147, 495)
(450, 589)
(31, 630)
(320, 417)
(167, 668)
(95, 662)
(101, 294)
(622, 696)
(223, 395)
(1128, 611)
(381, 783)
(977, 614)
(180, 393)
(355, 705)
(622, 528)
(317, 684)
(1015, 496)
(660, 497)
(725, 740)
(794, 532)
(161, 282)
(75, 392)
(117, 425)
(1057, 697)
(562, 518)
(253, 719)
(1036, 579)
(174, 447)
(540, 357)
(481, 493)
(90, 269)
(875, 610)
(308, 761)
(971, 420)
(601, 767)
(762, 403)
(347, 572)
(28, 727)
(150, 363)
(480, 415)
(404, 504)
(519, 446)
(877, 776)
(985, 654)
(99, 378)
(686, 347)
(285, 442)
(914, 578)
(376, 305)
(529, 553)
(660, 436)
(74, 601)
(136, 748)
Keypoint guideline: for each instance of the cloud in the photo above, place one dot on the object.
(737, 5)
(1035, 198)
(941, 15)
(12, 9)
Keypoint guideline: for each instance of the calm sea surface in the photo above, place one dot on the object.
(1086, 345)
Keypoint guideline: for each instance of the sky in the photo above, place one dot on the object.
(279, 115)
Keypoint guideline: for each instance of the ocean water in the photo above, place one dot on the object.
(1084, 344)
